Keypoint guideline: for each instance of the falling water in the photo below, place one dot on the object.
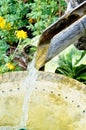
(29, 84)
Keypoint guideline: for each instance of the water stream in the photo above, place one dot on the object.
(29, 84)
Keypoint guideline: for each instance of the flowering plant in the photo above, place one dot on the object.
(12, 18)
(18, 20)
(12, 21)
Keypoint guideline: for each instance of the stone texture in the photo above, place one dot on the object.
(57, 102)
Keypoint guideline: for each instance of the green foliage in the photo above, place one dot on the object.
(13, 12)
(4, 59)
(3, 49)
(44, 12)
(12, 18)
(73, 64)
(18, 15)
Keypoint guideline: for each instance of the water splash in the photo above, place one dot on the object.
(29, 84)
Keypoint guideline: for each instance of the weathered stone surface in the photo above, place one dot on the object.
(57, 102)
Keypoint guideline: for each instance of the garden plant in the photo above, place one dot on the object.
(20, 21)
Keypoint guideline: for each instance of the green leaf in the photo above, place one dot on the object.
(72, 63)
(82, 76)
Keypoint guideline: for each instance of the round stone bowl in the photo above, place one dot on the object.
(57, 102)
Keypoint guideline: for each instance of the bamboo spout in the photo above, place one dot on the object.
(64, 32)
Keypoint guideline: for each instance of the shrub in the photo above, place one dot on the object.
(44, 12)
(13, 18)
(73, 64)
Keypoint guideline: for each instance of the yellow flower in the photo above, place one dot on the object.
(21, 34)
(2, 22)
(10, 66)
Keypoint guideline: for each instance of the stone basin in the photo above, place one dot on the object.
(57, 102)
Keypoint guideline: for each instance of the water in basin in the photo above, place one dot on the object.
(56, 103)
